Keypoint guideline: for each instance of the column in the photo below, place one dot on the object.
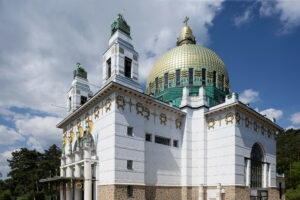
(87, 174)
(248, 172)
(265, 175)
(201, 192)
(219, 192)
(69, 174)
(61, 187)
(78, 193)
(62, 174)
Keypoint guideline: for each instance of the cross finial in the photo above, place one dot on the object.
(78, 64)
(122, 12)
(186, 19)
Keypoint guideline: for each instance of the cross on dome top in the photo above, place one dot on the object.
(186, 19)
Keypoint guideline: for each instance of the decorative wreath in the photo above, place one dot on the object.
(247, 122)
(178, 123)
(139, 108)
(78, 185)
(163, 118)
(146, 113)
(255, 126)
(211, 123)
(263, 130)
(121, 102)
(96, 112)
(229, 118)
(237, 117)
(107, 104)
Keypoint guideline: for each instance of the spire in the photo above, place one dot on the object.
(186, 34)
(120, 24)
(80, 71)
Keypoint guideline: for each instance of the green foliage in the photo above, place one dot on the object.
(293, 194)
(27, 168)
(6, 195)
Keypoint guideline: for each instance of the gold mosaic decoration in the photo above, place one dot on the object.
(238, 117)
(229, 118)
(107, 104)
(146, 112)
(120, 102)
(247, 122)
(178, 123)
(163, 118)
(96, 112)
(211, 123)
(139, 108)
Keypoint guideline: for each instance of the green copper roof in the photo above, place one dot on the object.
(80, 71)
(120, 24)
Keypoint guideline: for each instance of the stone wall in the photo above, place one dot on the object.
(273, 194)
(236, 193)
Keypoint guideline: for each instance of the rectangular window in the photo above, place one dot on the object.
(191, 76)
(148, 137)
(175, 143)
(178, 77)
(162, 140)
(215, 78)
(150, 88)
(129, 131)
(156, 85)
(129, 191)
(108, 63)
(129, 164)
(166, 80)
(222, 86)
(83, 99)
(203, 76)
(127, 63)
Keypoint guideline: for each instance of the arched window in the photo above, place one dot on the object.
(257, 158)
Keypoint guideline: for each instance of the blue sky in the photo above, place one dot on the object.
(41, 42)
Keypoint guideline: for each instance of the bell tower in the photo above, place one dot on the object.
(120, 60)
(80, 90)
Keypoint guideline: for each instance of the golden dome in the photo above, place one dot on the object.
(188, 56)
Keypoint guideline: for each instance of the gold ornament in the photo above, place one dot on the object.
(72, 135)
(107, 104)
(269, 133)
(78, 185)
(96, 112)
(163, 118)
(263, 130)
(247, 122)
(229, 118)
(146, 113)
(178, 123)
(237, 117)
(255, 126)
(79, 128)
(139, 108)
(121, 102)
(211, 123)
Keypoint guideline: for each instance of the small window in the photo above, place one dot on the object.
(129, 164)
(108, 62)
(128, 62)
(148, 137)
(156, 85)
(175, 143)
(129, 131)
(70, 103)
(191, 76)
(83, 99)
(215, 78)
(150, 88)
(162, 140)
(166, 80)
(178, 77)
(129, 191)
(222, 82)
(203, 76)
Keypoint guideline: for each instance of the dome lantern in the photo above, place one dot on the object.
(186, 35)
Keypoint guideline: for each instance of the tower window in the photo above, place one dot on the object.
(129, 191)
(129, 164)
(166, 82)
(129, 131)
(149, 88)
(162, 140)
(215, 78)
(257, 157)
(178, 77)
(203, 76)
(128, 62)
(83, 99)
(175, 143)
(191, 76)
(222, 86)
(108, 63)
(70, 103)
(148, 137)
(156, 85)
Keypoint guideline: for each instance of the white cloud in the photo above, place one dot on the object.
(41, 131)
(292, 127)
(10, 135)
(4, 168)
(244, 18)
(288, 11)
(249, 96)
(272, 113)
(39, 47)
(295, 118)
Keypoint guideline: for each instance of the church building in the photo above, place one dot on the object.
(187, 137)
